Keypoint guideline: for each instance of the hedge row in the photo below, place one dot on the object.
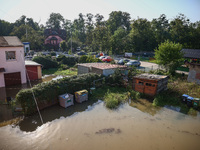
(47, 93)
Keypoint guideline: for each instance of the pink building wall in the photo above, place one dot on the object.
(47, 40)
(11, 66)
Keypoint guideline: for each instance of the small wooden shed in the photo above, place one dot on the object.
(34, 70)
(150, 84)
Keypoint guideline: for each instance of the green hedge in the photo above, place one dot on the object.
(46, 62)
(47, 93)
(70, 61)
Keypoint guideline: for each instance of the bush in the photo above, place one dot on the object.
(46, 62)
(70, 61)
(88, 59)
(134, 95)
(112, 100)
(47, 93)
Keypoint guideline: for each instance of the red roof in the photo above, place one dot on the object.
(102, 65)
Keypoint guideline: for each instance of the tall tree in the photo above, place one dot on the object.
(118, 19)
(5, 28)
(160, 28)
(55, 21)
(89, 29)
(179, 29)
(118, 41)
(142, 36)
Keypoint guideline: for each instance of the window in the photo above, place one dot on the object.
(148, 84)
(10, 55)
(140, 83)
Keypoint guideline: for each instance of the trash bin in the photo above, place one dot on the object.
(196, 102)
(66, 100)
(184, 98)
(81, 96)
(189, 101)
(92, 89)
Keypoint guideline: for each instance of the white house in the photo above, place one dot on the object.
(12, 64)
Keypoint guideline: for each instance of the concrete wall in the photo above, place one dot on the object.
(82, 70)
(96, 70)
(16, 65)
(107, 72)
(39, 72)
(194, 74)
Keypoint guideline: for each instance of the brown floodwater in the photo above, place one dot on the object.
(134, 125)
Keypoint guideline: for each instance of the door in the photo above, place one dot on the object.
(12, 78)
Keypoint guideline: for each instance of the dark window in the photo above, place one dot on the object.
(148, 84)
(140, 83)
(10, 55)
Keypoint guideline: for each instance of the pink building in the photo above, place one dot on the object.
(12, 64)
(53, 37)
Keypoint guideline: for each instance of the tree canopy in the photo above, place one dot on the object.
(169, 55)
(117, 34)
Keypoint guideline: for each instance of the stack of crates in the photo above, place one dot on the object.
(66, 100)
(81, 96)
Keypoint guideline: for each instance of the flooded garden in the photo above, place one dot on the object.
(135, 124)
(90, 125)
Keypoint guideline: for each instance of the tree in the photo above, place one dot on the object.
(160, 28)
(168, 54)
(63, 45)
(5, 28)
(179, 30)
(35, 38)
(118, 41)
(118, 19)
(55, 21)
(142, 36)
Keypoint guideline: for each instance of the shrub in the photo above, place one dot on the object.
(48, 92)
(70, 61)
(134, 95)
(88, 59)
(112, 100)
(46, 62)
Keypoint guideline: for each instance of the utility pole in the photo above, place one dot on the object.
(26, 28)
(71, 41)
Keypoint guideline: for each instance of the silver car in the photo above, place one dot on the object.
(135, 63)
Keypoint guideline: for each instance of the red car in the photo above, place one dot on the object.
(107, 59)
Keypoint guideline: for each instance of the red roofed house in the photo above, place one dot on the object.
(100, 68)
(12, 64)
(53, 38)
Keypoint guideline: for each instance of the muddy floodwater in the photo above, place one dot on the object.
(94, 127)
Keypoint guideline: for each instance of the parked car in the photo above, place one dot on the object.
(135, 63)
(102, 57)
(122, 61)
(107, 59)
(81, 53)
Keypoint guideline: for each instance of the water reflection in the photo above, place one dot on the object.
(145, 106)
(54, 112)
(127, 128)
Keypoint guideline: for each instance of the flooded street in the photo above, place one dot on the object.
(95, 127)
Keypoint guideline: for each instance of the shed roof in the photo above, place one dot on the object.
(10, 41)
(151, 76)
(31, 63)
(191, 53)
(102, 65)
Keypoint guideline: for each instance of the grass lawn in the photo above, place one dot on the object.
(58, 71)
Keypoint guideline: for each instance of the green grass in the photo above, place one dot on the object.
(113, 96)
(183, 69)
(58, 71)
